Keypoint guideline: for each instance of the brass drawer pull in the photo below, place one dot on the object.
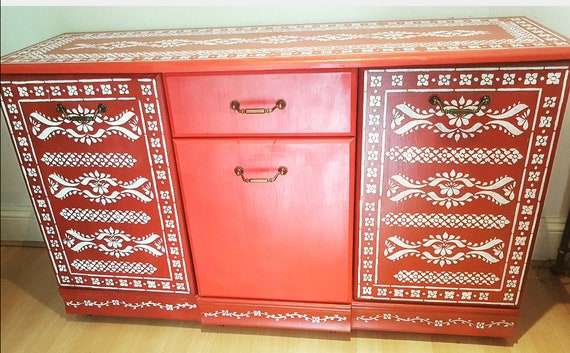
(239, 172)
(280, 104)
(435, 100)
(84, 116)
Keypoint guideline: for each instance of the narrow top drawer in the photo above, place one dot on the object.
(270, 104)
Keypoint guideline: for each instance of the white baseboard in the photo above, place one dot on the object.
(548, 238)
(19, 224)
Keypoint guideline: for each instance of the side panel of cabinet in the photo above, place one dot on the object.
(96, 157)
(451, 192)
(289, 239)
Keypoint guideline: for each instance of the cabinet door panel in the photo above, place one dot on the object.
(99, 180)
(283, 240)
(450, 191)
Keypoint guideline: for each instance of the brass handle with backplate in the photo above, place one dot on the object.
(60, 108)
(435, 100)
(279, 104)
(239, 171)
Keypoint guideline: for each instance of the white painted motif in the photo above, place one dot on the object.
(89, 132)
(446, 220)
(436, 322)
(76, 160)
(107, 216)
(129, 305)
(455, 189)
(444, 249)
(408, 118)
(94, 266)
(277, 317)
(97, 187)
(448, 155)
(276, 39)
(114, 242)
(446, 277)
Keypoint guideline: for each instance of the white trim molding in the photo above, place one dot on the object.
(19, 223)
(548, 238)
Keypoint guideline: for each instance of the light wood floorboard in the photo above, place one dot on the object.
(34, 320)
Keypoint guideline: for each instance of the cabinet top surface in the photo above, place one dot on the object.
(289, 46)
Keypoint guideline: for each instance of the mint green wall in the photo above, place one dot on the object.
(23, 26)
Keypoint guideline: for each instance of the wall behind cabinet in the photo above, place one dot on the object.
(23, 26)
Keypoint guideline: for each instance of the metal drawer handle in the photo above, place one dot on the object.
(101, 108)
(435, 100)
(280, 104)
(239, 172)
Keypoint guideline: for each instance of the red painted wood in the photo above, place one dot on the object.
(273, 314)
(333, 45)
(316, 103)
(286, 240)
(105, 191)
(432, 319)
(450, 202)
(130, 304)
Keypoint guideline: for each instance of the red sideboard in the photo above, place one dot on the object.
(369, 175)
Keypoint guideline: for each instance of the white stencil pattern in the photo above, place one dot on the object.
(447, 155)
(435, 322)
(446, 278)
(112, 216)
(114, 242)
(444, 249)
(100, 184)
(134, 306)
(276, 317)
(452, 188)
(87, 132)
(140, 268)
(446, 220)
(408, 118)
(276, 39)
(70, 159)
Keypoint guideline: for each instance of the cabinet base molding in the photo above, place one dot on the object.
(128, 304)
(453, 320)
(270, 314)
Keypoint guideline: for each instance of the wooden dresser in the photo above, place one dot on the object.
(371, 175)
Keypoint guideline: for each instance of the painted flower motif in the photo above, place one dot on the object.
(450, 188)
(99, 183)
(7, 92)
(530, 78)
(444, 80)
(114, 242)
(146, 90)
(487, 79)
(509, 79)
(549, 102)
(376, 81)
(398, 80)
(89, 90)
(465, 79)
(106, 89)
(423, 80)
(553, 78)
(55, 90)
(72, 90)
(545, 121)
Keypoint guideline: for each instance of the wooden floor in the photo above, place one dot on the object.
(33, 320)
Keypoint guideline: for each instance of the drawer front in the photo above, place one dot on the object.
(106, 201)
(451, 182)
(288, 239)
(314, 103)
